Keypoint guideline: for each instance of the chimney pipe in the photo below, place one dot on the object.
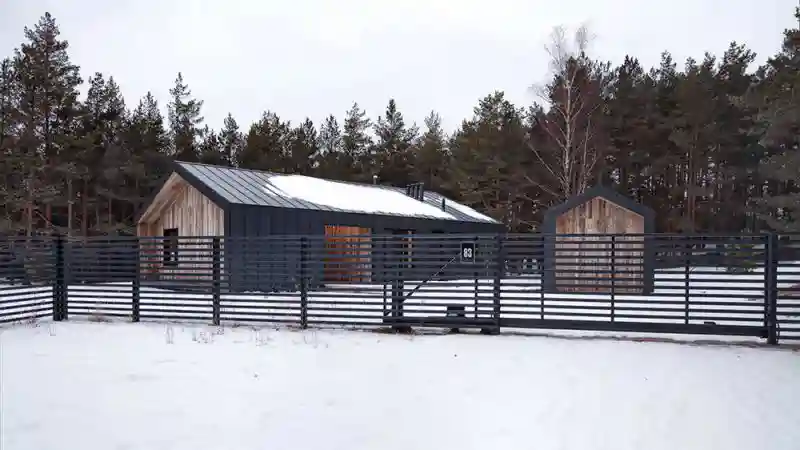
(416, 191)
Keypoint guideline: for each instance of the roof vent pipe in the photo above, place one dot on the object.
(443, 208)
(416, 191)
(374, 179)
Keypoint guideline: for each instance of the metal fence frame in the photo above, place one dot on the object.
(418, 281)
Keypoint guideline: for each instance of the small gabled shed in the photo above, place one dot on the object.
(596, 241)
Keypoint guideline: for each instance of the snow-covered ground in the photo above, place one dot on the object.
(152, 386)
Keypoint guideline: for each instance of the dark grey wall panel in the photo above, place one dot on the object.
(273, 265)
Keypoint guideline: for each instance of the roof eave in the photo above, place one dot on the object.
(552, 213)
(198, 184)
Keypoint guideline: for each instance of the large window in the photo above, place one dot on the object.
(171, 247)
(403, 245)
(348, 254)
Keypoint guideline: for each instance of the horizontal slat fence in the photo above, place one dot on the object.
(27, 277)
(743, 285)
(787, 306)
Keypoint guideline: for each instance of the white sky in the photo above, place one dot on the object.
(315, 57)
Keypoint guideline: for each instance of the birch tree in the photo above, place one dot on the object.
(566, 137)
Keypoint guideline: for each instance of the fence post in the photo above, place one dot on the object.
(215, 281)
(476, 291)
(398, 278)
(541, 268)
(59, 287)
(687, 276)
(384, 273)
(771, 289)
(137, 279)
(303, 284)
(500, 262)
(613, 276)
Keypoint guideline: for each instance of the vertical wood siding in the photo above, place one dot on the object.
(195, 216)
(347, 254)
(577, 256)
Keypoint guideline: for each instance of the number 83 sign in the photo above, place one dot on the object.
(468, 252)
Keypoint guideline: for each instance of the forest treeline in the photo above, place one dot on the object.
(711, 145)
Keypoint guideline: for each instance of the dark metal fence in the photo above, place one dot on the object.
(27, 277)
(744, 285)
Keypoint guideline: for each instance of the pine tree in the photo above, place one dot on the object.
(303, 148)
(737, 153)
(693, 138)
(184, 121)
(486, 152)
(231, 141)
(332, 161)
(266, 145)
(9, 115)
(48, 89)
(330, 136)
(106, 106)
(10, 196)
(210, 147)
(429, 159)
(780, 120)
(148, 144)
(356, 142)
(391, 157)
(662, 170)
(630, 137)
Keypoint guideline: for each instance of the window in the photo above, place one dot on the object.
(348, 255)
(403, 244)
(171, 247)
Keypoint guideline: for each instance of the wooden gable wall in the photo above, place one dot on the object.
(599, 216)
(180, 205)
(587, 263)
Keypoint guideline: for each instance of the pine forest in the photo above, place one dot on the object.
(711, 145)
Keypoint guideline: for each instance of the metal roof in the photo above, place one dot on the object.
(253, 187)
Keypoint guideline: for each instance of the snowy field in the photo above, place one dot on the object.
(97, 386)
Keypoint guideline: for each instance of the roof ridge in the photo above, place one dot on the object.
(244, 169)
(357, 183)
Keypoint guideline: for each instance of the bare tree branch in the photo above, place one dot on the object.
(573, 96)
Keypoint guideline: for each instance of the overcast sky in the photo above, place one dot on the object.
(315, 57)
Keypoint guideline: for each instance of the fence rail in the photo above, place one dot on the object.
(745, 285)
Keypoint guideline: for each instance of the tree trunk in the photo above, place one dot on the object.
(29, 218)
(29, 204)
(85, 210)
(69, 206)
(97, 222)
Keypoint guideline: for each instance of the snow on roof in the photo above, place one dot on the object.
(354, 197)
(468, 211)
(260, 188)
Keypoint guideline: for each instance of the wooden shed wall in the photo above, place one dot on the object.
(194, 216)
(579, 258)
(188, 210)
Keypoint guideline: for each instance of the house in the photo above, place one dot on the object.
(598, 240)
(242, 205)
